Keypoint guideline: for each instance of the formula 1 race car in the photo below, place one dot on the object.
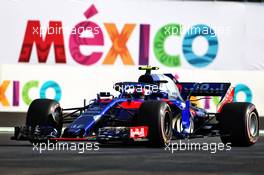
(154, 110)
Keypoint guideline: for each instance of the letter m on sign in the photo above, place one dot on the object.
(34, 35)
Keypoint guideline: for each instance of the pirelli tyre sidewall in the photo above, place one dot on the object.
(43, 112)
(158, 117)
(239, 124)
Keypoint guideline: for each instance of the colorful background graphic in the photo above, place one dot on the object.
(75, 52)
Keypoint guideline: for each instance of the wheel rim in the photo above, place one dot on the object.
(253, 124)
(56, 114)
(178, 125)
(167, 124)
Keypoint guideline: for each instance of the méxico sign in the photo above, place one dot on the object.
(88, 33)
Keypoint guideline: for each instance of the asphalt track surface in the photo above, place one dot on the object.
(20, 158)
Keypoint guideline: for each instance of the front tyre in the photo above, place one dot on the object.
(158, 117)
(45, 113)
(239, 124)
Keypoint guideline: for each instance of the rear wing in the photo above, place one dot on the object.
(188, 89)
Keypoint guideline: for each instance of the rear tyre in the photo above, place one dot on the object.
(158, 117)
(239, 124)
(45, 112)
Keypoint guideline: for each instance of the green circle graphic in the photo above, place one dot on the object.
(159, 40)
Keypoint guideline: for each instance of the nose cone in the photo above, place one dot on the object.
(73, 132)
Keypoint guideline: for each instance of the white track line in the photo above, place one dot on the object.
(261, 132)
(11, 130)
(7, 129)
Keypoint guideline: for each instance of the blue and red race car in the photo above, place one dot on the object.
(155, 110)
